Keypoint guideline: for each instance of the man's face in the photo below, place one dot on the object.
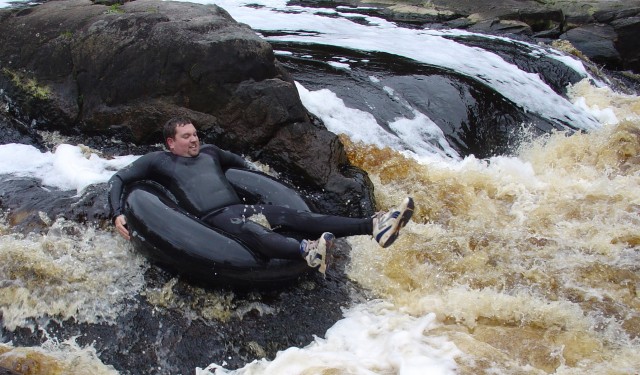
(186, 142)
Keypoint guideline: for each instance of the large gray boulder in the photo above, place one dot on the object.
(611, 39)
(597, 42)
(123, 70)
(628, 43)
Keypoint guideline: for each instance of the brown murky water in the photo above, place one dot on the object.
(519, 265)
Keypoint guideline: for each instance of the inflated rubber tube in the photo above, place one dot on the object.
(178, 241)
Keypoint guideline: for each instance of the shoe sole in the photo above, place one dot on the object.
(406, 212)
(326, 243)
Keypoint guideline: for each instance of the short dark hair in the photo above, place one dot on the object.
(169, 128)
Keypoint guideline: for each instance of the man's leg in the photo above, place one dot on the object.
(235, 220)
(313, 223)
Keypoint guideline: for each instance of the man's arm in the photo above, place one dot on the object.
(136, 171)
(229, 159)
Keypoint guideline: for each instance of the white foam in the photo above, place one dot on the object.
(371, 338)
(419, 137)
(311, 25)
(359, 125)
(339, 65)
(67, 168)
(282, 53)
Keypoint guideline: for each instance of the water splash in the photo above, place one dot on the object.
(530, 263)
(71, 271)
(54, 358)
(372, 338)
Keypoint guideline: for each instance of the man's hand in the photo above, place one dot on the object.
(121, 223)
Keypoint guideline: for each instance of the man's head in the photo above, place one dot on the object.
(181, 137)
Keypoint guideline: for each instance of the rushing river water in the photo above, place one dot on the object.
(523, 262)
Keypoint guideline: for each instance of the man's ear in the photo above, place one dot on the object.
(170, 143)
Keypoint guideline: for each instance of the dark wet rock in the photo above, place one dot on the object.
(596, 41)
(628, 42)
(606, 16)
(529, 21)
(32, 207)
(539, 20)
(121, 71)
(14, 131)
(502, 27)
(94, 67)
(614, 45)
(553, 72)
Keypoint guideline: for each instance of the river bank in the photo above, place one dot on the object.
(602, 31)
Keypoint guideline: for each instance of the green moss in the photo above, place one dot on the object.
(115, 9)
(28, 85)
(66, 34)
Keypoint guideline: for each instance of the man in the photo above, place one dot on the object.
(195, 176)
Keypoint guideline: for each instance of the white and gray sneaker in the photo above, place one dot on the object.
(315, 252)
(387, 225)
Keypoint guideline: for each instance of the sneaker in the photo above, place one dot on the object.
(315, 252)
(386, 226)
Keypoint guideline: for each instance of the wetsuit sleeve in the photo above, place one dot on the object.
(136, 171)
(228, 159)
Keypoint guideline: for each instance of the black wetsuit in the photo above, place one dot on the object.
(201, 188)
